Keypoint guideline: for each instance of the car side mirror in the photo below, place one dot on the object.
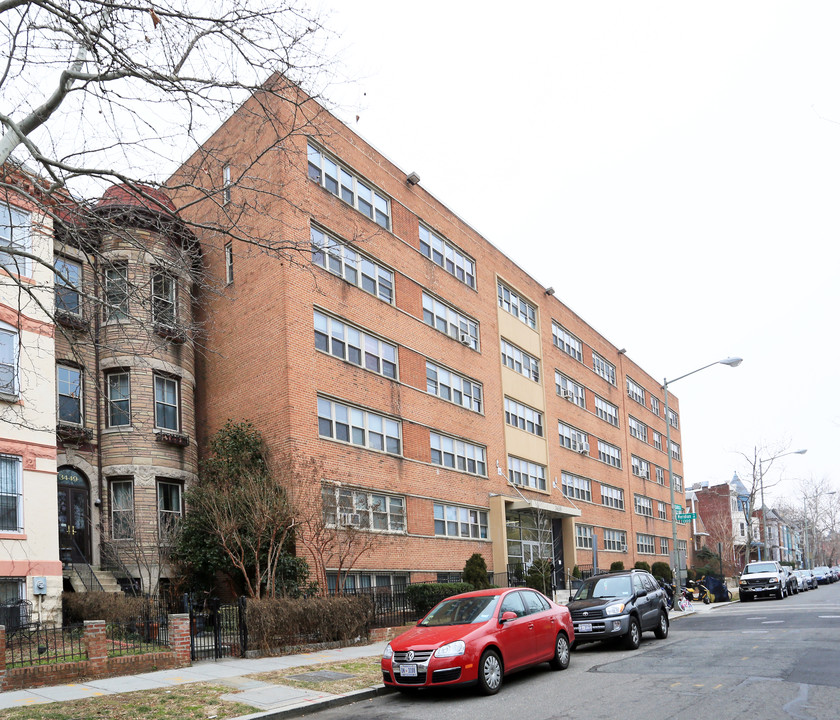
(507, 616)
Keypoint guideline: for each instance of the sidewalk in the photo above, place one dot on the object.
(278, 700)
(270, 700)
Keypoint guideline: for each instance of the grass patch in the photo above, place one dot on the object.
(366, 672)
(196, 701)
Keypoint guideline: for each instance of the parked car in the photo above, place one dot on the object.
(801, 580)
(791, 582)
(823, 575)
(811, 578)
(762, 578)
(619, 605)
(480, 637)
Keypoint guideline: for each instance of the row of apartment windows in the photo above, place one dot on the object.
(170, 508)
(166, 395)
(616, 541)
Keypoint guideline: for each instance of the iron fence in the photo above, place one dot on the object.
(45, 645)
(217, 630)
(136, 637)
(391, 606)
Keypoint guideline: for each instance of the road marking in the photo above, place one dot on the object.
(772, 622)
(719, 685)
(754, 632)
(763, 617)
(696, 685)
(828, 617)
(675, 684)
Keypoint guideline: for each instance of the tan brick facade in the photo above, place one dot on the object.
(263, 364)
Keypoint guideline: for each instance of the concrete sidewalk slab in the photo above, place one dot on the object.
(125, 683)
(275, 697)
(62, 693)
(21, 698)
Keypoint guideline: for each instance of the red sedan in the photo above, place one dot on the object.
(478, 637)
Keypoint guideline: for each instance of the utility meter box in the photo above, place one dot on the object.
(39, 586)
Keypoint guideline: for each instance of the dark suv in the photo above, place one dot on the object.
(619, 605)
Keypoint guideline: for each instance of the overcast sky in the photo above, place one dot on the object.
(671, 169)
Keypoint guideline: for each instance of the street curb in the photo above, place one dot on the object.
(307, 708)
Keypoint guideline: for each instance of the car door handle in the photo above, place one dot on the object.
(530, 626)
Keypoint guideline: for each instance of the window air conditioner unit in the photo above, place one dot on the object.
(624, 548)
(583, 449)
(567, 394)
(349, 519)
(464, 338)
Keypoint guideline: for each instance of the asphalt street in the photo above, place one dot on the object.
(762, 660)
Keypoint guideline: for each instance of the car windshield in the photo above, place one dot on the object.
(821, 569)
(759, 568)
(462, 611)
(605, 588)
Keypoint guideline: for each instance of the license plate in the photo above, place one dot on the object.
(408, 670)
(585, 627)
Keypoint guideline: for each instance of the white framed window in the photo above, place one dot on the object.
(116, 292)
(358, 427)
(68, 282)
(678, 483)
(569, 389)
(164, 299)
(645, 544)
(354, 345)
(517, 306)
(637, 428)
(568, 343)
(572, 438)
(69, 389)
(660, 475)
(606, 411)
(673, 419)
(643, 505)
(450, 258)
(450, 322)
(604, 368)
(226, 184)
(641, 468)
(609, 454)
(525, 473)
(657, 440)
(9, 345)
(576, 487)
(167, 403)
(15, 238)
(520, 361)
(122, 509)
(583, 537)
(11, 494)
(612, 497)
(676, 453)
(362, 509)
(663, 546)
(455, 521)
(453, 387)
(636, 391)
(118, 398)
(661, 510)
(654, 405)
(334, 256)
(458, 454)
(682, 546)
(170, 507)
(615, 540)
(228, 263)
(523, 417)
(345, 184)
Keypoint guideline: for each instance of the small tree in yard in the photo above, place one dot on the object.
(475, 572)
(661, 570)
(239, 503)
(642, 565)
(617, 566)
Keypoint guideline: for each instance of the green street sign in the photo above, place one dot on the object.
(678, 508)
(685, 517)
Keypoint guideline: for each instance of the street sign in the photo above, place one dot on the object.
(685, 517)
(678, 508)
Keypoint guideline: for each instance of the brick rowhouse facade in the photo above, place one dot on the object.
(397, 319)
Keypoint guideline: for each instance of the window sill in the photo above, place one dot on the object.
(9, 397)
(12, 536)
(117, 430)
(73, 433)
(71, 321)
(172, 438)
(174, 334)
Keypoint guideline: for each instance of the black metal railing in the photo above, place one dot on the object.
(85, 571)
(217, 630)
(44, 646)
(144, 635)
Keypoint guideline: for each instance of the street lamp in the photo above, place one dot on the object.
(731, 362)
(805, 513)
(763, 507)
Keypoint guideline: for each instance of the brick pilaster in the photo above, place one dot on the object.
(96, 646)
(2, 657)
(179, 637)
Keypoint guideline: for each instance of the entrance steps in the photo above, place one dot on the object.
(81, 581)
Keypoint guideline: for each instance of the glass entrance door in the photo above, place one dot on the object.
(73, 516)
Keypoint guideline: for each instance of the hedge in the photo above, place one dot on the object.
(425, 596)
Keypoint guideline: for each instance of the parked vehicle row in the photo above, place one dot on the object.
(478, 638)
(826, 575)
(769, 578)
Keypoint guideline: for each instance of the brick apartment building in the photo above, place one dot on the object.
(455, 404)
